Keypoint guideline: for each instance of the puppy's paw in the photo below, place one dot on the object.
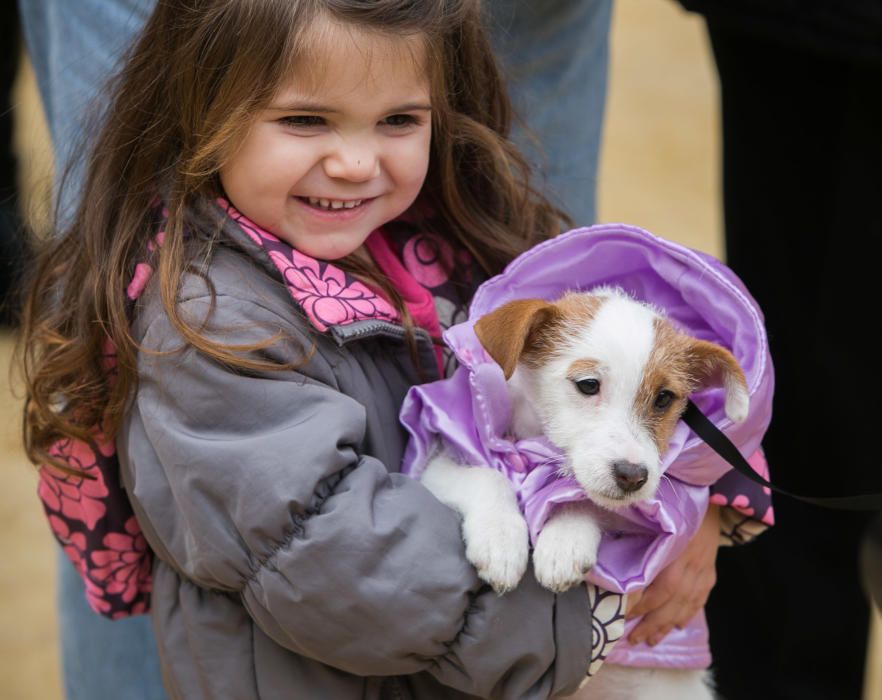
(565, 550)
(498, 547)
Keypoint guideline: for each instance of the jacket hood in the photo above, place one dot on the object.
(699, 294)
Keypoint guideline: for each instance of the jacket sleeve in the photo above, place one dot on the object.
(254, 485)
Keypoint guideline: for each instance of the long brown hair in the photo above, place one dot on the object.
(184, 99)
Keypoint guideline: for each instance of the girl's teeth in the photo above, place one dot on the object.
(333, 203)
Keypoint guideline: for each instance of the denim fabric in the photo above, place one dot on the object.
(103, 659)
(555, 55)
(74, 48)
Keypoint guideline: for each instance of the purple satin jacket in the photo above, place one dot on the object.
(470, 411)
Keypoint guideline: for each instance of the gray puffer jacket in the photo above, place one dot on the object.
(292, 560)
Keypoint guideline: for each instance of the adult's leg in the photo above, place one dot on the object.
(104, 658)
(75, 47)
(555, 57)
(802, 184)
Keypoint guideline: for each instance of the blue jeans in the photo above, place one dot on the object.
(555, 56)
(75, 48)
(101, 658)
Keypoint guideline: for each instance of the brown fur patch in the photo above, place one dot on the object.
(574, 311)
(680, 364)
(532, 330)
(715, 365)
(581, 368)
(670, 367)
(507, 331)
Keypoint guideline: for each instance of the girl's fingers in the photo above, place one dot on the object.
(634, 609)
(651, 598)
(655, 638)
(657, 623)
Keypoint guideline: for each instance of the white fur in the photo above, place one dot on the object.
(737, 400)
(566, 547)
(614, 682)
(495, 532)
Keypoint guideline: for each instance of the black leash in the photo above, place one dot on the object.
(719, 443)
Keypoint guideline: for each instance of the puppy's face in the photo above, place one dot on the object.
(608, 378)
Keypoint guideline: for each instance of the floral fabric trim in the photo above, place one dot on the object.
(93, 521)
(608, 624)
(747, 510)
(327, 295)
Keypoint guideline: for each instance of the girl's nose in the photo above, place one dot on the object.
(356, 162)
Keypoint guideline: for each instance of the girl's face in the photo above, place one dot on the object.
(335, 157)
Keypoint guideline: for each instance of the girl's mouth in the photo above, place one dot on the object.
(334, 211)
(333, 205)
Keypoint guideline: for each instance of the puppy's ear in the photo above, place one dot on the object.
(715, 366)
(507, 332)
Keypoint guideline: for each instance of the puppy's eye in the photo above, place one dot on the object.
(663, 399)
(589, 387)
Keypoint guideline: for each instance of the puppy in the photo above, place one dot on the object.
(603, 377)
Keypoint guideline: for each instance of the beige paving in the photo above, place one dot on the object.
(28, 638)
(660, 158)
(660, 170)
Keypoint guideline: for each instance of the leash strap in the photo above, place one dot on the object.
(702, 426)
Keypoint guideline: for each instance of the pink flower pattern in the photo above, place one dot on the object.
(76, 497)
(143, 273)
(73, 543)
(750, 503)
(327, 295)
(429, 258)
(125, 566)
(93, 522)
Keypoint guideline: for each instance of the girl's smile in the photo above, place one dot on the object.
(342, 148)
(338, 210)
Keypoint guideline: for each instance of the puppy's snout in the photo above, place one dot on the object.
(629, 476)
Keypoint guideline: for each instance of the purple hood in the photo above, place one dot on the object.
(471, 409)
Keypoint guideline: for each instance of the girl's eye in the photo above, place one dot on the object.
(401, 120)
(589, 387)
(663, 399)
(303, 121)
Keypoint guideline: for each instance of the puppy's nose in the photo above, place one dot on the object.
(629, 476)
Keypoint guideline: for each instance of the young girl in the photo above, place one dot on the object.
(277, 185)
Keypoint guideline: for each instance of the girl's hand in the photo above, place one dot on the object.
(681, 589)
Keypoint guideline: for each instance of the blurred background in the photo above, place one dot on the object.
(660, 169)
